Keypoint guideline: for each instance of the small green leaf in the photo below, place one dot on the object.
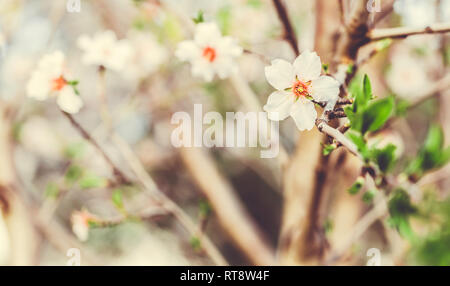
(73, 174)
(52, 190)
(205, 208)
(376, 114)
(385, 157)
(199, 18)
(74, 150)
(117, 198)
(327, 149)
(400, 209)
(357, 186)
(195, 243)
(368, 196)
(90, 181)
(325, 67)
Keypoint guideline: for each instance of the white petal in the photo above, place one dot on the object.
(279, 105)
(68, 101)
(304, 114)
(204, 69)
(325, 88)
(38, 87)
(207, 34)
(280, 74)
(187, 51)
(307, 66)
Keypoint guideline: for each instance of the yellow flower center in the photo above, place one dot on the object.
(301, 89)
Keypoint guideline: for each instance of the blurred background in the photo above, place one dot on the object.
(230, 205)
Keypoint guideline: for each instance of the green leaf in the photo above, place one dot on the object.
(205, 208)
(376, 114)
(52, 190)
(73, 174)
(328, 148)
(74, 150)
(400, 208)
(117, 198)
(357, 186)
(360, 143)
(90, 181)
(325, 67)
(199, 18)
(385, 157)
(196, 243)
(368, 196)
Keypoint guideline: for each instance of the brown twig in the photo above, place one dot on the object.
(289, 33)
(120, 177)
(403, 32)
(338, 136)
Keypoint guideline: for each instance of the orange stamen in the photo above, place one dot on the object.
(209, 53)
(58, 83)
(301, 89)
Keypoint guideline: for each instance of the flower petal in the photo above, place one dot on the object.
(307, 66)
(187, 51)
(304, 114)
(207, 34)
(280, 74)
(325, 88)
(279, 105)
(68, 101)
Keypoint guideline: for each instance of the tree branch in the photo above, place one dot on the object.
(403, 32)
(338, 136)
(289, 33)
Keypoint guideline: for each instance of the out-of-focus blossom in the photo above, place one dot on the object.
(407, 77)
(80, 224)
(147, 55)
(416, 12)
(104, 49)
(297, 85)
(210, 53)
(50, 79)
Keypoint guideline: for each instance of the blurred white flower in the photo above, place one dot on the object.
(147, 55)
(80, 224)
(407, 77)
(103, 49)
(297, 85)
(210, 53)
(49, 79)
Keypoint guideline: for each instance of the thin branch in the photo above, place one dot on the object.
(289, 33)
(403, 32)
(150, 185)
(338, 136)
(118, 174)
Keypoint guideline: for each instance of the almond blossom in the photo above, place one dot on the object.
(298, 85)
(210, 53)
(104, 49)
(50, 80)
(80, 224)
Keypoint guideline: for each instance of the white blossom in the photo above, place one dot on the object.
(80, 224)
(407, 77)
(297, 85)
(147, 55)
(49, 79)
(210, 53)
(104, 49)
